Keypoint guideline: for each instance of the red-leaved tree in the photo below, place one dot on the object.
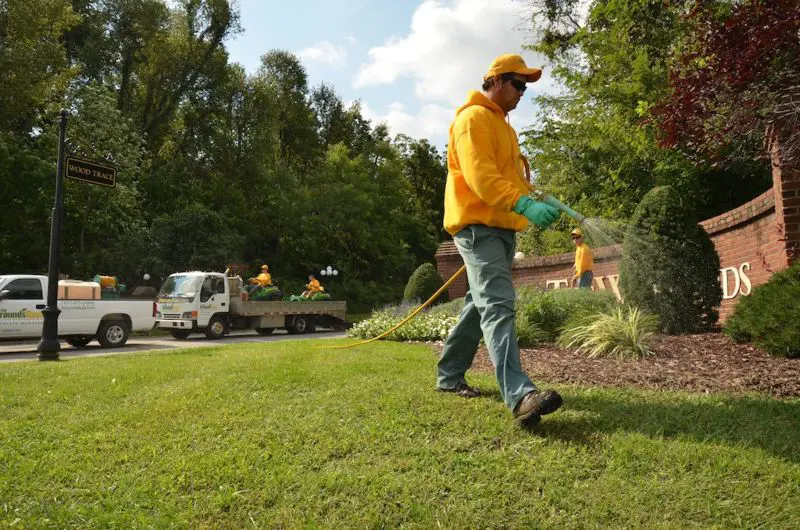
(735, 77)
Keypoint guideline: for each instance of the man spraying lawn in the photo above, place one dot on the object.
(584, 261)
(486, 203)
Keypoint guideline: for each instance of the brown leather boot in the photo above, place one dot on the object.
(537, 404)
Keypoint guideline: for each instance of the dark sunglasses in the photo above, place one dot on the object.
(519, 85)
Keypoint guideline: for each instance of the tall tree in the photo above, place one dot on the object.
(297, 133)
(426, 171)
(736, 74)
(595, 145)
(33, 60)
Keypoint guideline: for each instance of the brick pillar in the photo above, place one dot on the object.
(786, 184)
(448, 261)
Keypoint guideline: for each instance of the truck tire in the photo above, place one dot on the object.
(217, 328)
(301, 324)
(79, 341)
(180, 334)
(265, 331)
(113, 333)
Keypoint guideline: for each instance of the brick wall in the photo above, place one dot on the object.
(753, 241)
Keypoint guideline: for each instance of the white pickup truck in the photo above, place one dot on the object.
(23, 296)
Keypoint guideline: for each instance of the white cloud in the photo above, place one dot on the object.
(449, 47)
(431, 121)
(351, 39)
(326, 53)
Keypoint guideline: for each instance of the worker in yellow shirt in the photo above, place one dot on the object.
(584, 261)
(262, 280)
(265, 278)
(312, 287)
(486, 202)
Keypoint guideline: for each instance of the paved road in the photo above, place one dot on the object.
(26, 350)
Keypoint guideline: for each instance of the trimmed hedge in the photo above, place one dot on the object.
(423, 283)
(770, 316)
(669, 265)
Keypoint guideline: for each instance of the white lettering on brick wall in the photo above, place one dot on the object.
(556, 284)
(613, 281)
(741, 282)
(733, 280)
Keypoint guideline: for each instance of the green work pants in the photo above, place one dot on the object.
(489, 311)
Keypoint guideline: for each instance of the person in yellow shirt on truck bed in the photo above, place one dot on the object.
(265, 278)
(312, 287)
(584, 261)
(262, 280)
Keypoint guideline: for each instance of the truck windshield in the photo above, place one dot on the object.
(180, 287)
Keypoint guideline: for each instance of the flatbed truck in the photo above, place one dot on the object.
(213, 303)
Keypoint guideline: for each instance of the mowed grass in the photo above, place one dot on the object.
(285, 436)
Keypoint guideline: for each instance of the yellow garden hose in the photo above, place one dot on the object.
(409, 317)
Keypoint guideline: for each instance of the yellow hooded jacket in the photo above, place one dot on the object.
(485, 177)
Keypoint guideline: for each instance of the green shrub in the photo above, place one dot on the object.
(423, 284)
(770, 316)
(623, 333)
(529, 334)
(549, 311)
(669, 265)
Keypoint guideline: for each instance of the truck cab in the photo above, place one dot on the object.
(193, 302)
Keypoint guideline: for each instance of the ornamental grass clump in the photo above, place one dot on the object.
(541, 315)
(622, 333)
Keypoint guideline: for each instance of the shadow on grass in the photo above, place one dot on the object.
(770, 425)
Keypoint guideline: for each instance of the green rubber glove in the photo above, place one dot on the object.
(537, 212)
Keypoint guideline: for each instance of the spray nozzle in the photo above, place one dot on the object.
(552, 201)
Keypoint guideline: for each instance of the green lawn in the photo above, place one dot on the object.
(282, 435)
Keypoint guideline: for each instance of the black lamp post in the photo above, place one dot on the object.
(49, 346)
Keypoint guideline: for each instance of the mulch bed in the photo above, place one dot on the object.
(707, 362)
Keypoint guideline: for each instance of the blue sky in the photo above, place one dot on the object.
(410, 62)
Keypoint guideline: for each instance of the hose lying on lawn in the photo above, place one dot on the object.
(409, 317)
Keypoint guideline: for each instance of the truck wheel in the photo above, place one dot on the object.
(265, 331)
(113, 333)
(79, 341)
(301, 324)
(217, 328)
(179, 334)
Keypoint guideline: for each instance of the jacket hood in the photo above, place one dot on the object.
(477, 98)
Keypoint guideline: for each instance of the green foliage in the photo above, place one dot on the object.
(423, 284)
(669, 265)
(594, 146)
(769, 316)
(622, 333)
(541, 315)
